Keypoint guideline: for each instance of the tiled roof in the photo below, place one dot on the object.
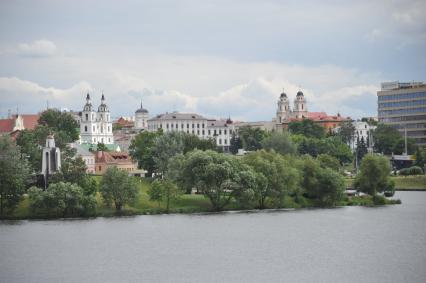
(112, 157)
(30, 120)
(179, 116)
(6, 125)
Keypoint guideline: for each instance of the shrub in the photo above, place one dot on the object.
(415, 170)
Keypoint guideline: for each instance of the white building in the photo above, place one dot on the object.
(87, 156)
(363, 131)
(141, 118)
(190, 123)
(96, 126)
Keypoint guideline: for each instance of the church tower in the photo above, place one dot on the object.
(283, 109)
(104, 123)
(88, 122)
(141, 118)
(300, 110)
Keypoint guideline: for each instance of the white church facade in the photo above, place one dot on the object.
(285, 113)
(96, 126)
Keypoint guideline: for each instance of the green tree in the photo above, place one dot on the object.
(385, 139)
(346, 132)
(60, 122)
(235, 144)
(308, 128)
(141, 149)
(374, 176)
(29, 145)
(14, 172)
(118, 188)
(420, 157)
(163, 190)
(322, 184)
(214, 174)
(280, 142)
(165, 147)
(251, 138)
(73, 170)
(101, 147)
(361, 149)
(62, 199)
(275, 177)
(328, 161)
(156, 192)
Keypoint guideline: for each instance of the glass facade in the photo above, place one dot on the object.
(405, 108)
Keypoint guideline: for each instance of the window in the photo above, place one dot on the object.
(192, 125)
(220, 141)
(187, 126)
(93, 116)
(198, 132)
(85, 128)
(220, 132)
(203, 132)
(208, 132)
(214, 133)
(193, 131)
(100, 168)
(202, 125)
(109, 129)
(94, 129)
(167, 125)
(87, 116)
(198, 126)
(224, 132)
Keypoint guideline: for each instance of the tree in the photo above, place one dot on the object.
(328, 161)
(191, 142)
(101, 147)
(235, 144)
(155, 192)
(361, 149)
(280, 142)
(60, 122)
(374, 176)
(29, 146)
(420, 157)
(346, 132)
(215, 175)
(165, 147)
(163, 189)
(322, 184)
(308, 128)
(251, 138)
(141, 149)
(118, 187)
(385, 138)
(73, 170)
(62, 199)
(14, 172)
(275, 177)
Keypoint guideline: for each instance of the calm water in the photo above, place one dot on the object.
(353, 244)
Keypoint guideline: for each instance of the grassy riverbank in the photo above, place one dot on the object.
(401, 183)
(184, 204)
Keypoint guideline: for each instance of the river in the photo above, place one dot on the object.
(350, 244)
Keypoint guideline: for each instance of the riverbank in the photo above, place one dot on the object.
(185, 204)
(402, 183)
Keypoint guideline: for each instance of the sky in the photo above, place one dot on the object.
(216, 58)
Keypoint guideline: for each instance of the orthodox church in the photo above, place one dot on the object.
(96, 126)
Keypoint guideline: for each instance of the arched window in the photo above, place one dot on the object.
(85, 128)
(87, 116)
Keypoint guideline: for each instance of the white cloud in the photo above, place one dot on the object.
(38, 48)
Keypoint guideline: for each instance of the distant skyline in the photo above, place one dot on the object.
(216, 58)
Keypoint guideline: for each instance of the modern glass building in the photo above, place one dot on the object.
(403, 106)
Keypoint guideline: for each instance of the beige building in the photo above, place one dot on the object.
(121, 160)
(403, 106)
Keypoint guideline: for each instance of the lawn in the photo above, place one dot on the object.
(401, 183)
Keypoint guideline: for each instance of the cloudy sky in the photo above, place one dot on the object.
(216, 58)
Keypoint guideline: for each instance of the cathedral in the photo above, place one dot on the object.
(284, 112)
(96, 126)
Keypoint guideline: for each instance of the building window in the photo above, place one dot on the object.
(203, 132)
(224, 132)
(94, 129)
(192, 125)
(220, 132)
(87, 117)
(85, 128)
(109, 129)
(198, 132)
(198, 126)
(208, 132)
(202, 125)
(220, 141)
(214, 133)
(100, 168)
(187, 126)
(167, 125)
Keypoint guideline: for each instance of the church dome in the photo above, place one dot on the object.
(103, 107)
(88, 105)
(141, 110)
(299, 93)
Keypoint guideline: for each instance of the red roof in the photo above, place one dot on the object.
(30, 121)
(6, 125)
(316, 115)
